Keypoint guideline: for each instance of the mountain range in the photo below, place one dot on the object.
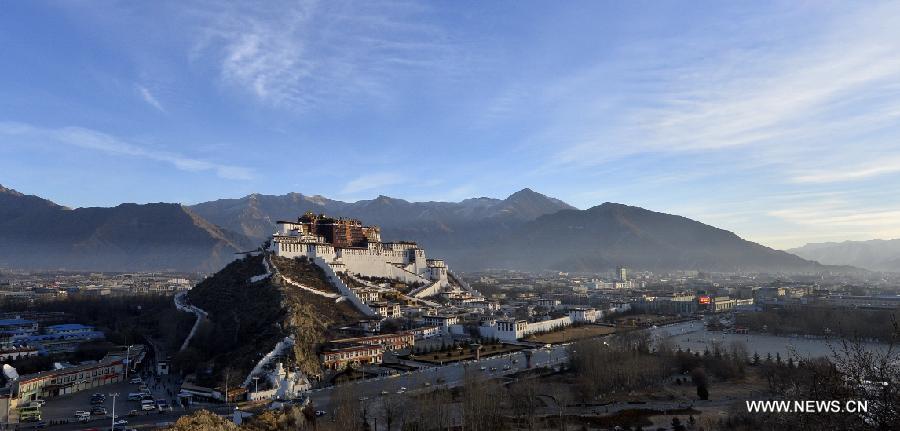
(37, 233)
(875, 255)
(527, 230)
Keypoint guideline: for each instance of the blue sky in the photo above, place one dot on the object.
(776, 120)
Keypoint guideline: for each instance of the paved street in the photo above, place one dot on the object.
(452, 375)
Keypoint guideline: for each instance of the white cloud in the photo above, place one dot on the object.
(150, 98)
(99, 141)
(803, 104)
(371, 181)
(306, 54)
(846, 172)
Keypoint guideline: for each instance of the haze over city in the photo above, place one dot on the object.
(776, 120)
(396, 215)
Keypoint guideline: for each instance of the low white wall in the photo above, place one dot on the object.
(427, 290)
(182, 305)
(279, 349)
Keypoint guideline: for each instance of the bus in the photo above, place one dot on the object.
(30, 414)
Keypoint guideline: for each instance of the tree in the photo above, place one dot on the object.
(698, 376)
(676, 424)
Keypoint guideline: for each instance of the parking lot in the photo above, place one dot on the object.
(62, 409)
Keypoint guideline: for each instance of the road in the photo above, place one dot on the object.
(452, 375)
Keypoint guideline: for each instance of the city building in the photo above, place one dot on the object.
(338, 357)
(69, 380)
(388, 341)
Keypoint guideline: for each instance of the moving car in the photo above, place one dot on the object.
(98, 410)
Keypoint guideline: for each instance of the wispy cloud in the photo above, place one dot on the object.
(794, 106)
(150, 98)
(371, 182)
(306, 54)
(846, 172)
(99, 141)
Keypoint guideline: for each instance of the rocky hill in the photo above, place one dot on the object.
(247, 319)
(875, 255)
(37, 233)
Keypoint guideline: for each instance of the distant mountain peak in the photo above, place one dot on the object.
(9, 191)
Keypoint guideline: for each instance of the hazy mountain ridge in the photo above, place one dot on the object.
(527, 230)
(614, 234)
(876, 254)
(255, 215)
(36, 233)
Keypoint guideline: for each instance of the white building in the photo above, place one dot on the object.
(348, 246)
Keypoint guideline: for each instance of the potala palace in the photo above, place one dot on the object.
(346, 246)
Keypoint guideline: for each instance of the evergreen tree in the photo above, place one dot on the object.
(755, 358)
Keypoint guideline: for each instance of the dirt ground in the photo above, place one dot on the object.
(485, 353)
(572, 334)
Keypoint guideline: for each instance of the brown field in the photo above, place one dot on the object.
(442, 357)
(572, 334)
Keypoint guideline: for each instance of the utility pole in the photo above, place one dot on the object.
(112, 426)
(256, 382)
(127, 352)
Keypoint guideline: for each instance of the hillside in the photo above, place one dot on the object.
(875, 255)
(613, 234)
(36, 233)
(248, 319)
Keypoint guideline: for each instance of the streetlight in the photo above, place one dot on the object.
(256, 383)
(113, 425)
(127, 352)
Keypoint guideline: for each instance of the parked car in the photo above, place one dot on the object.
(135, 396)
(136, 381)
(320, 413)
(37, 403)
